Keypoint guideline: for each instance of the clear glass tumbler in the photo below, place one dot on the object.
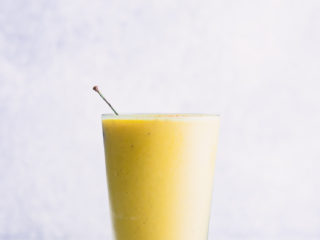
(160, 171)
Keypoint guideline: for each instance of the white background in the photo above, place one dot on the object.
(257, 63)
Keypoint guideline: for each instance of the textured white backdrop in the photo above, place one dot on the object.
(257, 63)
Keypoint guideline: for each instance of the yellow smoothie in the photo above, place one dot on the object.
(160, 174)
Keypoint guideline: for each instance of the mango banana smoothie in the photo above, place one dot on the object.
(160, 174)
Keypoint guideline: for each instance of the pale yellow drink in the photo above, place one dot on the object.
(160, 174)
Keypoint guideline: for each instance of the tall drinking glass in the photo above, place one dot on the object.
(160, 174)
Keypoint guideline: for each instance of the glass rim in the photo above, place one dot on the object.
(159, 116)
